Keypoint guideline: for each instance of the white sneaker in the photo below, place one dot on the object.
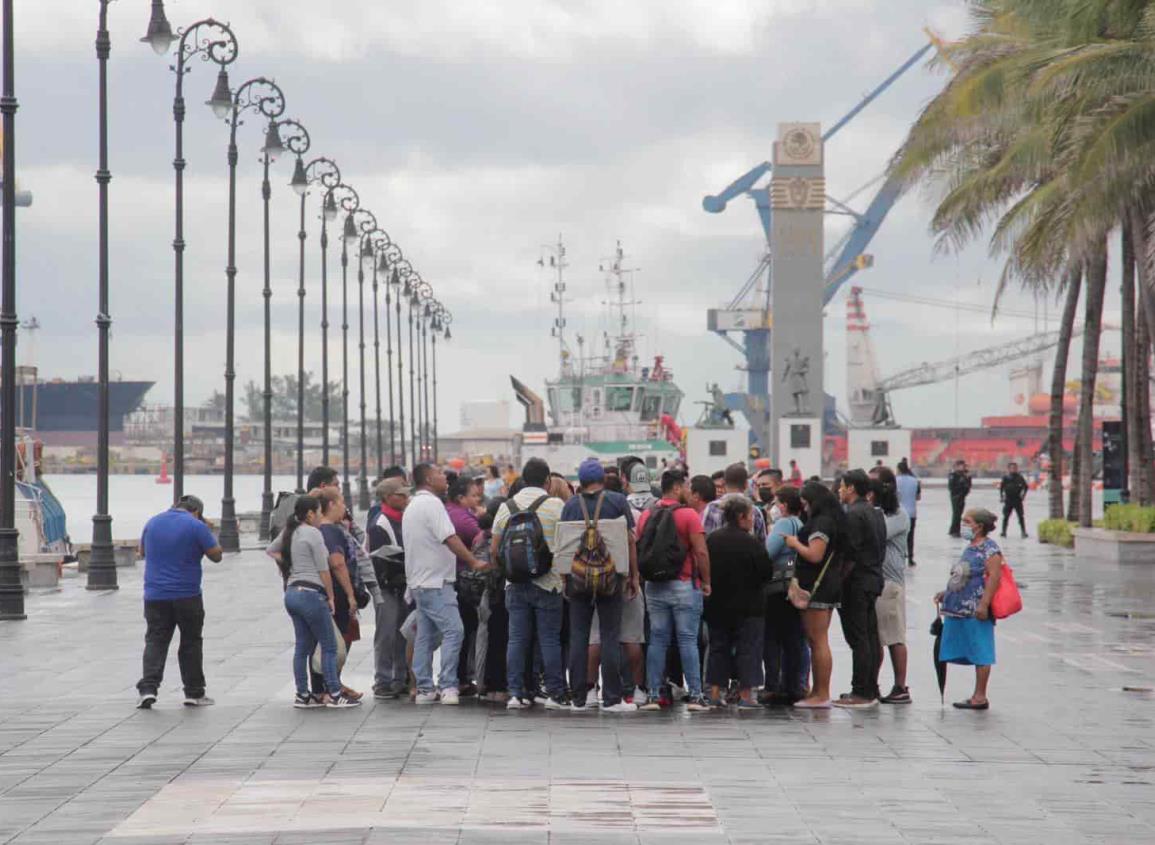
(203, 701)
(146, 701)
(621, 707)
(430, 697)
(641, 697)
(450, 696)
(555, 704)
(516, 703)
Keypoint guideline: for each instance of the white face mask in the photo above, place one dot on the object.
(968, 533)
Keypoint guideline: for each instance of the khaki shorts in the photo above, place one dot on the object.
(891, 610)
(633, 621)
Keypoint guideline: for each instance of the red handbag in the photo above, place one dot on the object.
(1007, 600)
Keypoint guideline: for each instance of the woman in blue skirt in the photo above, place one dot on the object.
(968, 632)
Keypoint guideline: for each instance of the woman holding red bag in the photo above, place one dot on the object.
(968, 634)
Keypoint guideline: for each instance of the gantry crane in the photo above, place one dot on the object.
(749, 311)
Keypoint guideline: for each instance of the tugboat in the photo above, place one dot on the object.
(605, 406)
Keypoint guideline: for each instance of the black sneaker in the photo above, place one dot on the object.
(386, 693)
(340, 700)
(146, 700)
(698, 704)
(306, 701)
(898, 695)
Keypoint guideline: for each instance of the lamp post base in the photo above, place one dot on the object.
(230, 536)
(266, 513)
(11, 589)
(102, 565)
(363, 493)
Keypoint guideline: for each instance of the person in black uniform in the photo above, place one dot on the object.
(1012, 491)
(959, 485)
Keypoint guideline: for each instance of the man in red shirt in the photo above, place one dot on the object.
(675, 606)
(795, 474)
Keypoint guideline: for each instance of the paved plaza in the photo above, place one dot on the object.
(1065, 755)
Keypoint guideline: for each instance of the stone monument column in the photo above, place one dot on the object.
(797, 201)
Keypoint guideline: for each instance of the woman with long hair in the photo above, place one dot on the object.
(968, 628)
(819, 546)
(304, 564)
(345, 598)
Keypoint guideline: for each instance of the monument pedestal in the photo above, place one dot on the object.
(867, 446)
(710, 449)
(800, 440)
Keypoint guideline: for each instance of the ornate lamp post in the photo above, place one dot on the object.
(264, 97)
(326, 172)
(426, 315)
(368, 226)
(11, 590)
(422, 292)
(212, 41)
(350, 236)
(337, 198)
(389, 256)
(395, 283)
(379, 242)
(413, 282)
(441, 320)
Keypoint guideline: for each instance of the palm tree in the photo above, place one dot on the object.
(1074, 279)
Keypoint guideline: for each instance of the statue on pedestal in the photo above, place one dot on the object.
(795, 372)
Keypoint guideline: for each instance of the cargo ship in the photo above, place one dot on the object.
(65, 411)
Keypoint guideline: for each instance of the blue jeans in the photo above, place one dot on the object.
(313, 623)
(437, 614)
(527, 604)
(675, 609)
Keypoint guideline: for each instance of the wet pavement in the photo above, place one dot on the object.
(1065, 755)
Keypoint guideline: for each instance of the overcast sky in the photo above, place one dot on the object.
(477, 132)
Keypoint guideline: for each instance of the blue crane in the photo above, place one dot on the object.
(755, 322)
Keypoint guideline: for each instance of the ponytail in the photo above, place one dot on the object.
(301, 510)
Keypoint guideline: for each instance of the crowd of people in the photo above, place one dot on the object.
(623, 593)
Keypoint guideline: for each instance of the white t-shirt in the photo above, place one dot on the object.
(426, 526)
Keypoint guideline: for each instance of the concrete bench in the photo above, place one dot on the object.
(40, 571)
(123, 551)
(1117, 547)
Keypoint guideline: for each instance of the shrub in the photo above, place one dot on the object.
(1135, 518)
(1057, 532)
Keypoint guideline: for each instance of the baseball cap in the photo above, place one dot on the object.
(639, 479)
(392, 487)
(591, 472)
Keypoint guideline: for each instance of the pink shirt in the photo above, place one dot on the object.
(687, 522)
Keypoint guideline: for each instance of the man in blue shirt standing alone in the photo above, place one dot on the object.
(173, 544)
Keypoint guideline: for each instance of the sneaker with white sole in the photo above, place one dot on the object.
(641, 697)
(516, 703)
(555, 703)
(146, 701)
(429, 697)
(198, 701)
(620, 707)
(306, 701)
(450, 696)
(651, 706)
(698, 704)
(341, 701)
(852, 702)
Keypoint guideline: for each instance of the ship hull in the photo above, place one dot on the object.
(72, 406)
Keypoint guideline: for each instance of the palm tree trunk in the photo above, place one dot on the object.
(1129, 407)
(1144, 245)
(1092, 327)
(1073, 282)
(1143, 453)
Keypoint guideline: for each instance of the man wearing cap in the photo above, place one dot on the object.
(387, 548)
(619, 618)
(173, 543)
(641, 497)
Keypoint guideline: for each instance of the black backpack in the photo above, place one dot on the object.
(523, 552)
(661, 552)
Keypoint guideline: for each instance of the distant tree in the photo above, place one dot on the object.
(285, 399)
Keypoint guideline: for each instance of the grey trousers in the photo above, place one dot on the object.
(481, 640)
(391, 669)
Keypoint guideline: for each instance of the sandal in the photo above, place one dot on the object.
(969, 704)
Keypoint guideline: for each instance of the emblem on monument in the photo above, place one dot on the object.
(798, 143)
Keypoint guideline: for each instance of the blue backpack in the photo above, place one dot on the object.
(523, 552)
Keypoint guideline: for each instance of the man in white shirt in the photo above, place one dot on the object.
(432, 549)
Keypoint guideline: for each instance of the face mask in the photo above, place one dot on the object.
(766, 495)
(968, 533)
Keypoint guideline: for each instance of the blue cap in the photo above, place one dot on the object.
(591, 472)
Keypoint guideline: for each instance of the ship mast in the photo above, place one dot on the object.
(624, 353)
(557, 296)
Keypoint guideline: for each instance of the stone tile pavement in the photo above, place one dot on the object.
(1065, 755)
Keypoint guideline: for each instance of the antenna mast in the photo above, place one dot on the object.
(557, 296)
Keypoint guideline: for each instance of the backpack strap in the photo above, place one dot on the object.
(512, 506)
(598, 507)
(538, 503)
(585, 510)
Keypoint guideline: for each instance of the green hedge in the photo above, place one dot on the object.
(1058, 532)
(1136, 518)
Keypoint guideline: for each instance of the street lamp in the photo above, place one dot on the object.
(11, 589)
(365, 256)
(426, 316)
(421, 293)
(395, 283)
(389, 257)
(350, 236)
(337, 198)
(326, 172)
(265, 97)
(412, 282)
(212, 41)
(441, 321)
(379, 242)
(279, 135)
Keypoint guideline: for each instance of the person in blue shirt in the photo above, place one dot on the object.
(173, 543)
(909, 490)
